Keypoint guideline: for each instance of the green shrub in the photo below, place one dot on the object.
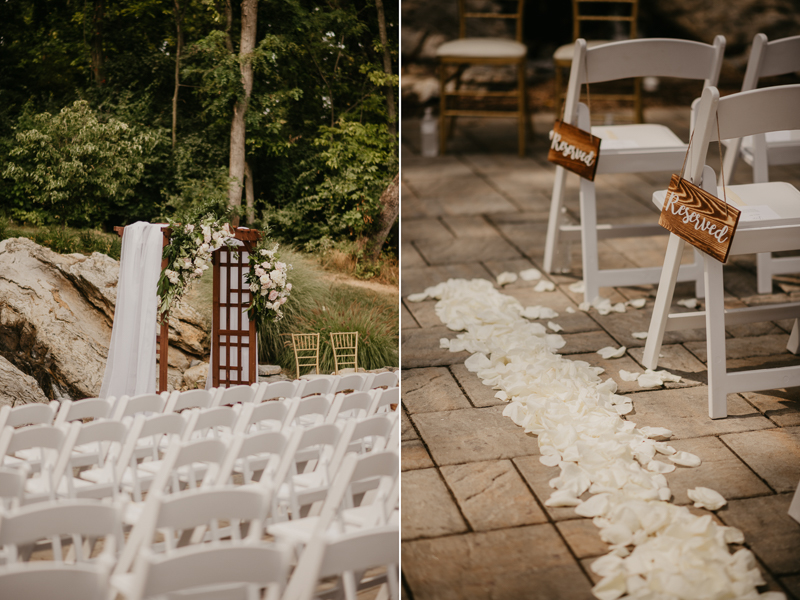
(73, 169)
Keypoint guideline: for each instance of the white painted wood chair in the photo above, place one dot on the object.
(635, 148)
(767, 59)
(742, 114)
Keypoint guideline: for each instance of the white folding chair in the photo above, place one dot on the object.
(98, 447)
(213, 569)
(179, 401)
(12, 486)
(265, 416)
(280, 389)
(217, 423)
(349, 558)
(634, 148)
(384, 400)
(387, 379)
(144, 403)
(320, 384)
(353, 381)
(307, 412)
(350, 406)
(236, 395)
(767, 59)
(742, 114)
(85, 521)
(88, 408)
(44, 581)
(28, 414)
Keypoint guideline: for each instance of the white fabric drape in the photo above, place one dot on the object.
(131, 364)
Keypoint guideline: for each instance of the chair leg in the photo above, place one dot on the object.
(794, 507)
(764, 272)
(442, 109)
(666, 290)
(551, 247)
(794, 338)
(715, 339)
(589, 249)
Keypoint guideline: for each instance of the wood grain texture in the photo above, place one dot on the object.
(700, 218)
(574, 149)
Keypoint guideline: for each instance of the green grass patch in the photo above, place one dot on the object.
(65, 240)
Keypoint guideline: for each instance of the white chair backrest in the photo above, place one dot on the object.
(384, 400)
(53, 520)
(44, 581)
(361, 551)
(387, 379)
(318, 385)
(267, 415)
(768, 59)
(280, 389)
(144, 403)
(210, 453)
(313, 408)
(88, 408)
(190, 509)
(237, 394)
(376, 426)
(32, 414)
(12, 486)
(740, 115)
(317, 446)
(658, 57)
(190, 399)
(351, 406)
(202, 566)
(218, 422)
(352, 381)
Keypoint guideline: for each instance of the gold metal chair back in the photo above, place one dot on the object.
(306, 351)
(345, 350)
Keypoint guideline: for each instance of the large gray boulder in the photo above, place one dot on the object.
(56, 314)
(16, 387)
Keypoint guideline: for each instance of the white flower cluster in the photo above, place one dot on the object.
(191, 267)
(659, 551)
(269, 279)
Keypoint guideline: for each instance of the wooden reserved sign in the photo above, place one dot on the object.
(574, 149)
(700, 218)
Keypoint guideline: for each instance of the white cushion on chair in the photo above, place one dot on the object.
(482, 48)
(641, 135)
(565, 52)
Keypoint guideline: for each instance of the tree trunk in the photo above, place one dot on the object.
(176, 8)
(387, 66)
(97, 42)
(248, 194)
(237, 152)
(390, 199)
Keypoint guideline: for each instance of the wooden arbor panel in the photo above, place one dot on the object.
(234, 354)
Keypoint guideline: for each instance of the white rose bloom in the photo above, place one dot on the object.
(199, 262)
(264, 291)
(288, 287)
(263, 252)
(264, 279)
(206, 233)
(253, 287)
(204, 247)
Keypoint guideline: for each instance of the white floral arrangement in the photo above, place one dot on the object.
(268, 281)
(188, 255)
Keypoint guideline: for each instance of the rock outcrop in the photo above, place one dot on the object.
(16, 388)
(56, 313)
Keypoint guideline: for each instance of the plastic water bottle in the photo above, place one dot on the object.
(429, 133)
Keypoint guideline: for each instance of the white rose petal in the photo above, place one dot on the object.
(579, 287)
(688, 302)
(639, 335)
(554, 326)
(637, 303)
(562, 498)
(417, 297)
(628, 375)
(506, 278)
(539, 312)
(544, 286)
(704, 497)
(656, 433)
(570, 310)
(656, 466)
(685, 459)
(444, 343)
(648, 380)
(530, 274)
(611, 352)
(584, 306)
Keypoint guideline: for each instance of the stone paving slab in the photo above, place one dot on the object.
(676, 359)
(530, 563)
(425, 229)
(538, 477)
(424, 313)
(768, 530)
(444, 252)
(470, 227)
(420, 348)
(411, 257)
(612, 368)
(583, 538)
(479, 395)
(721, 470)
(773, 454)
(416, 280)
(431, 389)
(492, 495)
(413, 455)
(471, 435)
(590, 341)
(763, 345)
(685, 413)
(780, 406)
(407, 320)
(428, 508)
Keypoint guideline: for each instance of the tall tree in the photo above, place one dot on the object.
(247, 44)
(387, 67)
(98, 58)
(178, 13)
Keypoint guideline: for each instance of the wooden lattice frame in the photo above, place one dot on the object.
(345, 350)
(306, 351)
(221, 258)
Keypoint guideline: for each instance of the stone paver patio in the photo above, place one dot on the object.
(474, 524)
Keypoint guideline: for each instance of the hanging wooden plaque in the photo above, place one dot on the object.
(574, 149)
(700, 218)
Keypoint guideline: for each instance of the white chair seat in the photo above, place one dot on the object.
(565, 52)
(639, 136)
(482, 48)
(762, 204)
